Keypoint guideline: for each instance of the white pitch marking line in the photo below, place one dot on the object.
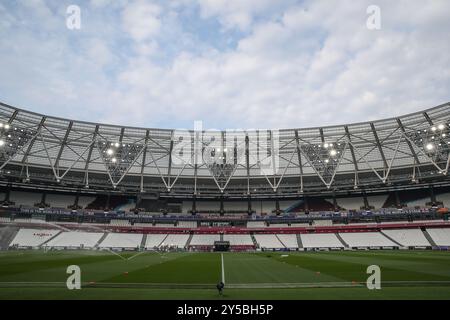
(223, 269)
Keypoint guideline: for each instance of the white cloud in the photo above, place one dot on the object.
(141, 19)
(306, 64)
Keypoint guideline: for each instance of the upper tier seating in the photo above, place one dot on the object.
(278, 225)
(354, 203)
(27, 199)
(256, 224)
(321, 240)
(60, 200)
(268, 241)
(119, 222)
(84, 201)
(377, 201)
(75, 239)
(33, 237)
(366, 239)
(122, 240)
(408, 237)
(323, 223)
(238, 239)
(187, 224)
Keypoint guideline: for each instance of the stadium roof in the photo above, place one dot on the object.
(36, 148)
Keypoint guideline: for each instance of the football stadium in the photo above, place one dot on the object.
(273, 214)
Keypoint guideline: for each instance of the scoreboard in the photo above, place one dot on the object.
(221, 245)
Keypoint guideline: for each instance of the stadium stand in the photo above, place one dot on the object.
(268, 241)
(238, 239)
(84, 201)
(408, 237)
(75, 240)
(354, 203)
(33, 237)
(27, 199)
(122, 241)
(323, 223)
(119, 222)
(256, 224)
(366, 240)
(377, 201)
(154, 240)
(440, 236)
(288, 240)
(187, 224)
(278, 225)
(177, 240)
(204, 239)
(60, 200)
(320, 240)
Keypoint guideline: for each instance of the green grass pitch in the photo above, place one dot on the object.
(263, 275)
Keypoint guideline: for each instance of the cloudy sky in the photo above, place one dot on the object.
(230, 63)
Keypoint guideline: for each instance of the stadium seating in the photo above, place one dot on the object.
(154, 240)
(238, 239)
(256, 224)
(84, 201)
(164, 225)
(300, 225)
(366, 239)
(377, 201)
(122, 240)
(321, 240)
(119, 222)
(408, 237)
(204, 239)
(33, 237)
(440, 236)
(268, 241)
(278, 225)
(177, 240)
(288, 240)
(354, 203)
(323, 223)
(60, 200)
(27, 199)
(187, 224)
(75, 240)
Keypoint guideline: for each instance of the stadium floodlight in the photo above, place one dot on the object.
(110, 152)
(333, 152)
(325, 145)
(113, 160)
(2, 143)
(430, 146)
(116, 145)
(7, 126)
(441, 127)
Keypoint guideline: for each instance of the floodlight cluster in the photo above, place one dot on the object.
(13, 139)
(433, 139)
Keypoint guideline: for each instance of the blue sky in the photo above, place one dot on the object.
(231, 64)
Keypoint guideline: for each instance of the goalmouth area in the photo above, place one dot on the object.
(260, 275)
